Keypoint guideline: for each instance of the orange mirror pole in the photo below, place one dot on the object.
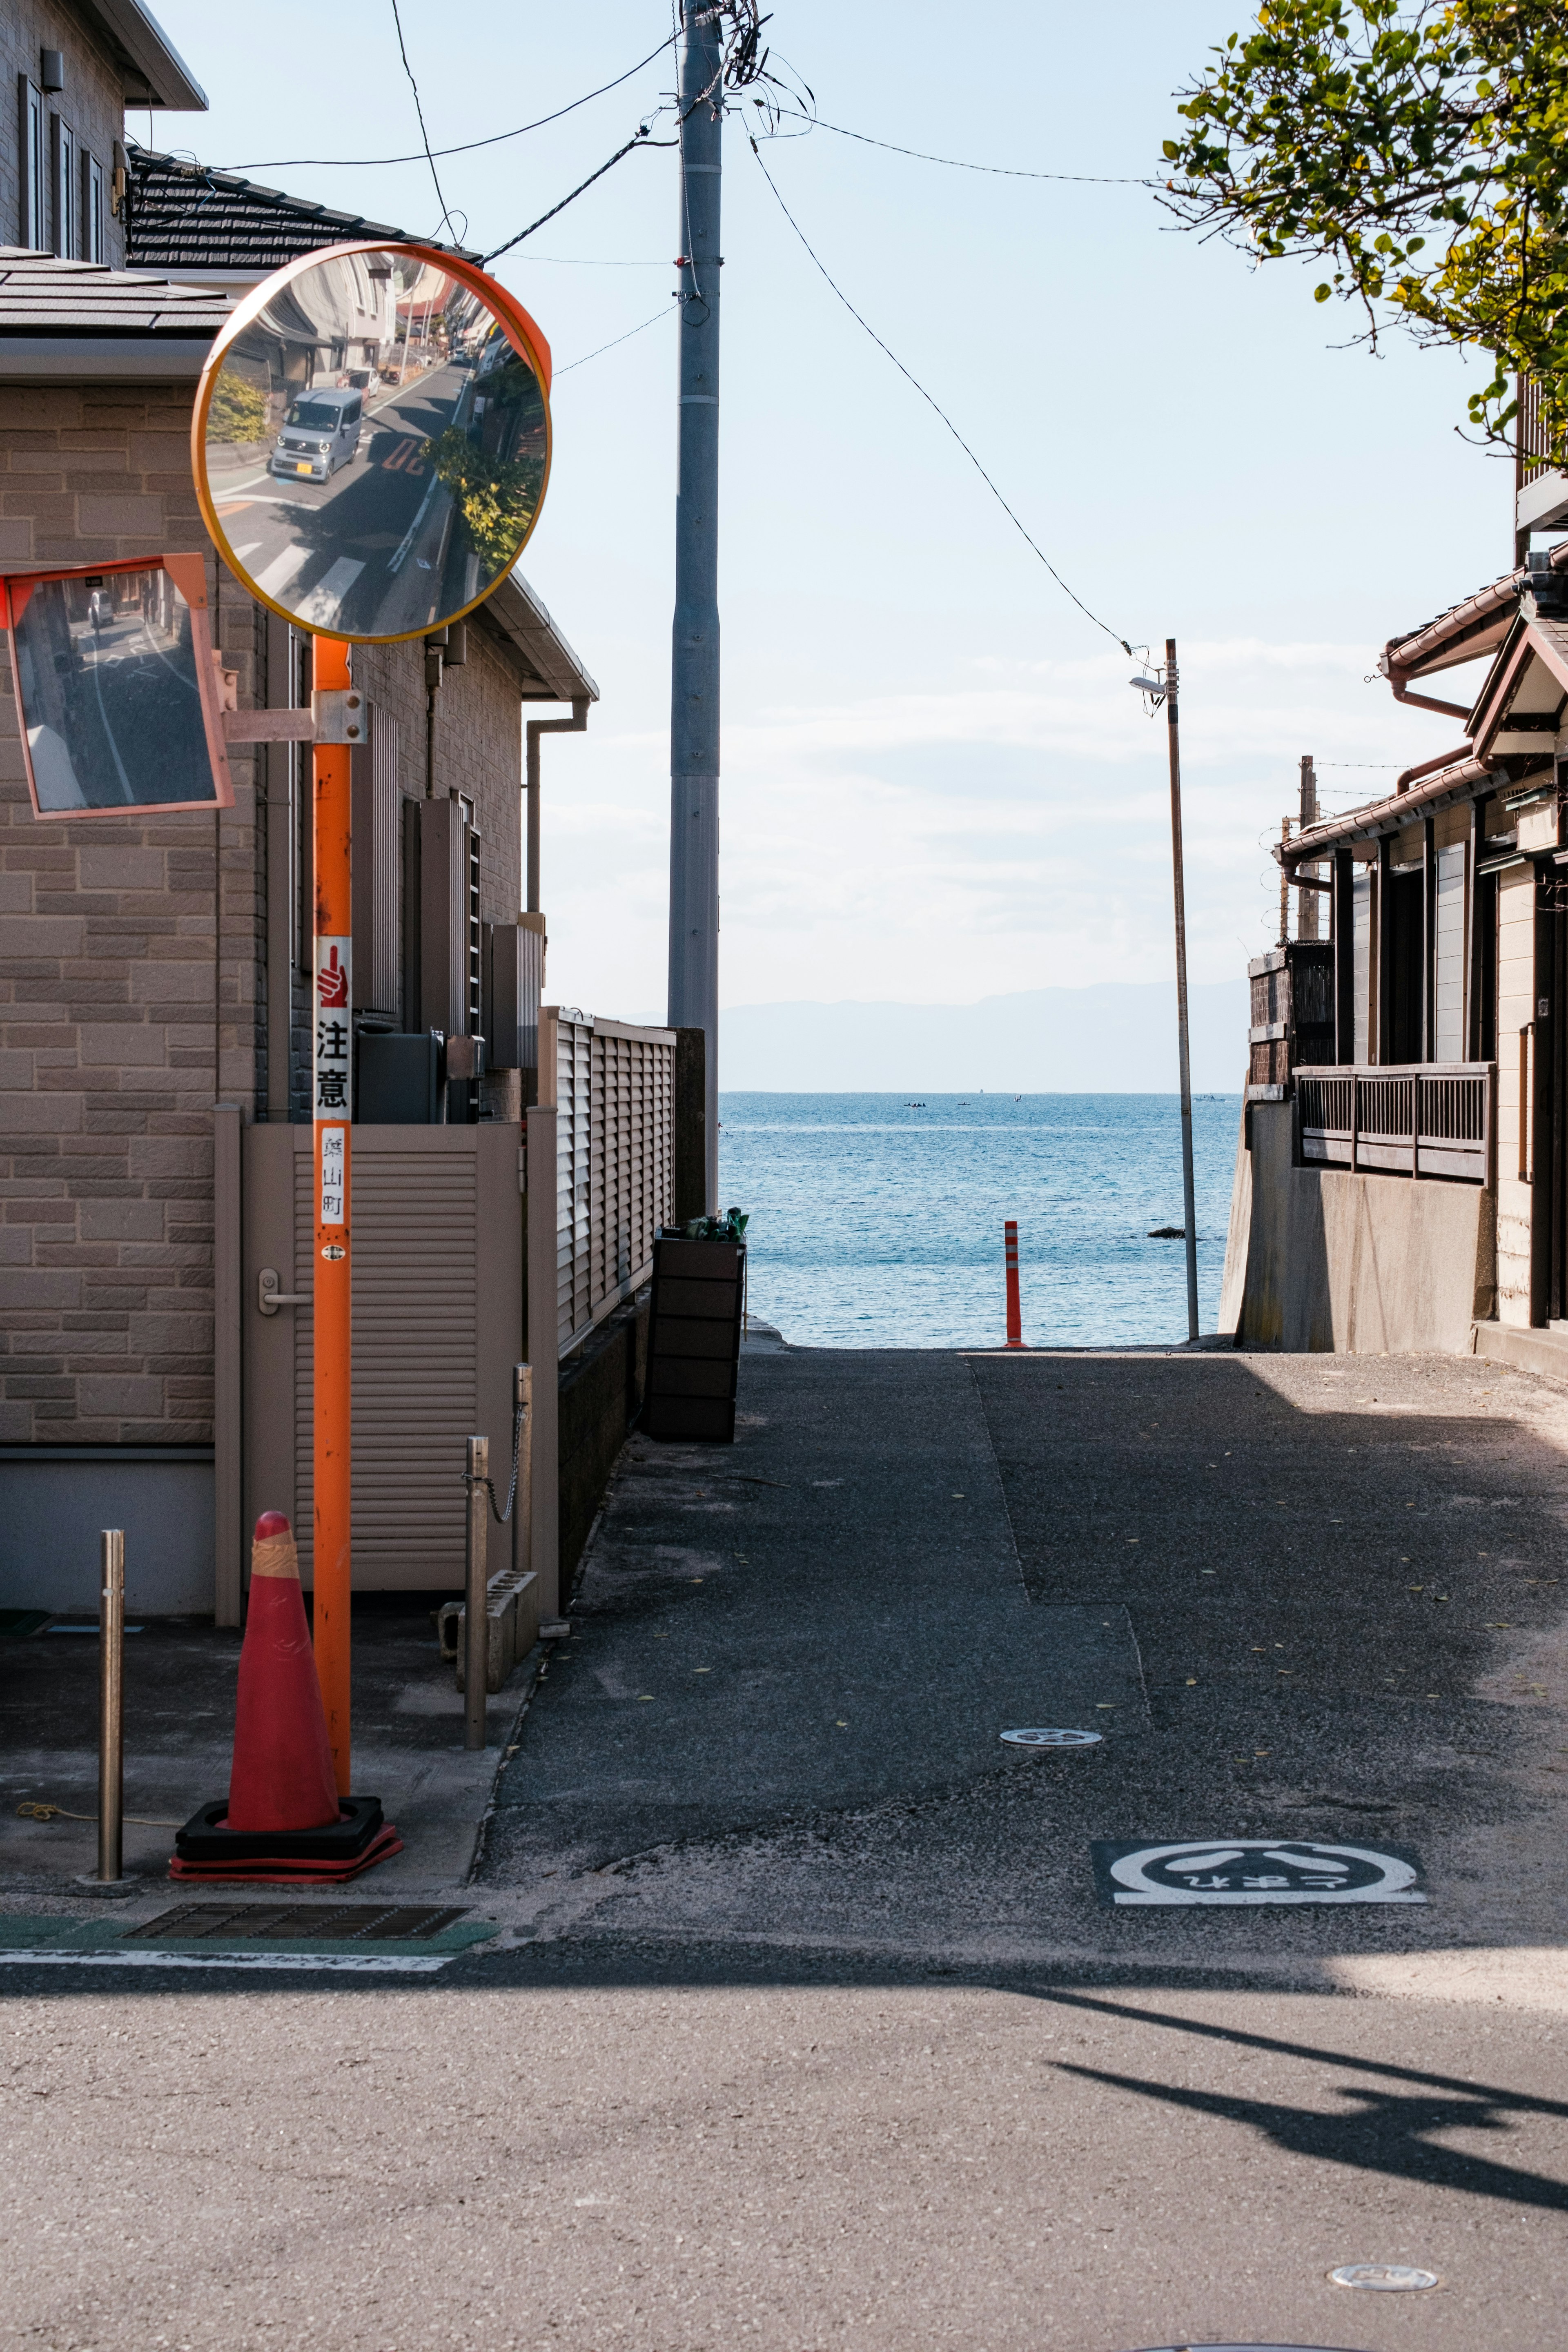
(334, 1110)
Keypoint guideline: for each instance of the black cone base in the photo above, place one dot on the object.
(205, 1839)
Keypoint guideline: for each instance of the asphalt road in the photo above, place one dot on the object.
(370, 549)
(809, 2027)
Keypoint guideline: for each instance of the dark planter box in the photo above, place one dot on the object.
(694, 1340)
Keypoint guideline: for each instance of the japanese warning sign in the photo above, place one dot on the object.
(334, 1029)
(1254, 1870)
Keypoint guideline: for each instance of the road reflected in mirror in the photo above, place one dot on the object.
(375, 447)
(106, 667)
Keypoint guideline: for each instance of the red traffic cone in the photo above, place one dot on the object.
(284, 1822)
(282, 1777)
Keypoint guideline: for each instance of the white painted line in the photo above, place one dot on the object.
(355, 1963)
(320, 609)
(282, 570)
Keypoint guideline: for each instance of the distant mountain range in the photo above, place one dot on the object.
(1111, 1038)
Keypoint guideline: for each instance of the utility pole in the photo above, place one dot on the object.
(1189, 1198)
(694, 667)
(1307, 906)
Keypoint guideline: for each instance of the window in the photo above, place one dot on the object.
(1360, 958)
(1449, 1043)
(92, 208)
(67, 238)
(31, 175)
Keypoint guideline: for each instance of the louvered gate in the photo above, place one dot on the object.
(438, 1326)
(615, 1106)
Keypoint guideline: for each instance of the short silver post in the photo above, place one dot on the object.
(476, 1628)
(110, 1713)
(522, 1508)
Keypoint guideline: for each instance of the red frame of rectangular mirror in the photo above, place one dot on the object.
(188, 573)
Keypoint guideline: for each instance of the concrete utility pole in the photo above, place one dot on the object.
(694, 668)
(1307, 910)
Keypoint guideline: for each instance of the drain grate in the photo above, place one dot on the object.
(336, 1923)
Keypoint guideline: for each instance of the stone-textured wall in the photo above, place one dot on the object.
(126, 1009)
(1359, 1264)
(91, 103)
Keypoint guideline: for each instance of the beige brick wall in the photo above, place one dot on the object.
(128, 982)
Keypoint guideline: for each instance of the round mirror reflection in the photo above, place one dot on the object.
(375, 446)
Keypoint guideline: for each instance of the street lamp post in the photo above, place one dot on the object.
(1164, 688)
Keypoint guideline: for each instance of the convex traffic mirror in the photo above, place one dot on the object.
(120, 705)
(372, 439)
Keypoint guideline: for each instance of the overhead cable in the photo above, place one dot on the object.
(445, 220)
(956, 164)
(642, 139)
(610, 346)
(1103, 626)
(469, 147)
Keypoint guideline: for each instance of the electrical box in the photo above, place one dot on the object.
(514, 980)
(399, 1078)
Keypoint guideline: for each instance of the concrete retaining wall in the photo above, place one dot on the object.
(601, 1395)
(1360, 1265)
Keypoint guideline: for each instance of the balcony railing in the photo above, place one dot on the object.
(1430, 1118)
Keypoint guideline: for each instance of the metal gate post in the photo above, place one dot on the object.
(476, 1618)
(111, 1711)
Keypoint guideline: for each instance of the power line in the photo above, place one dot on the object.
(610, 346)
(419, 110)
(1103, 626)
(642, 139)
(469, 147)
(955, 163)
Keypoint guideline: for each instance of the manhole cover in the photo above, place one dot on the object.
(1052, 1739)
(336, 1923)
(1383, 2278)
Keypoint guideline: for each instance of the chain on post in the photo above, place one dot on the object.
(519, 1412)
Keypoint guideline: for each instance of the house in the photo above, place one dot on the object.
(1404, 1181)
(153, 1036)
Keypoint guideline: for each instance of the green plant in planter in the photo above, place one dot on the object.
(730, 1227)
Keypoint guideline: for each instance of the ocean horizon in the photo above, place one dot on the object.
(877, 1219)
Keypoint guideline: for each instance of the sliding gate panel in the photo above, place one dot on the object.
(438, 1326)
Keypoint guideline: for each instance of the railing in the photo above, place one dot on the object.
(614, 1101)
(1430, 1118)
(1535, 453)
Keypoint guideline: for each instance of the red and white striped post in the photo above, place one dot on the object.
(1015, 1312)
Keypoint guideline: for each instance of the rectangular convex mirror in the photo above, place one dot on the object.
(119, 700)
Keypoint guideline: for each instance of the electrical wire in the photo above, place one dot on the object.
(610, 346)
(642, 139)
(445, 220)
(955, 163)
(1104, 626)
(469, 147)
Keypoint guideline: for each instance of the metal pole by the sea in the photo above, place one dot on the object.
(1188, 1189)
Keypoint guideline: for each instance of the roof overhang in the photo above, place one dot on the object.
(521, 619)
(154, 73)
(100, 358)
(1468, 632)
(1519, 710)
(1464, 779)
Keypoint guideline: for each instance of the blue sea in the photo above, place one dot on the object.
(876, 1220)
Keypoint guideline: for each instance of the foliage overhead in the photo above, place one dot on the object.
(1419, 146)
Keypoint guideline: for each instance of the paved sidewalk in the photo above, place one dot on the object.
(179, 1733)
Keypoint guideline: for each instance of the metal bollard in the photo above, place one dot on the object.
(111, 1723)
(1014, 1318)
(476, 1629)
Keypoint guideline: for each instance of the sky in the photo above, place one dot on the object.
(938, 784)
